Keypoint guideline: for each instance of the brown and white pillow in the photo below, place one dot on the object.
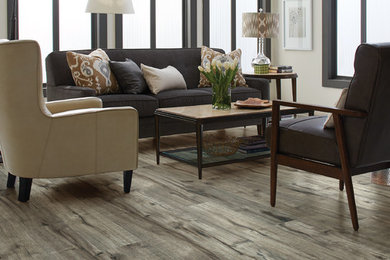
(329, 123)
(93, 71)
(207, 55)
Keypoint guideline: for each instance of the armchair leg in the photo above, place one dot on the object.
(24, 189)
(127, 177)
(351, 202)
(274, 173)
(341, 185)
(11, 181)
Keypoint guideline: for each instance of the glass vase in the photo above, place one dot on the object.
(222, 97)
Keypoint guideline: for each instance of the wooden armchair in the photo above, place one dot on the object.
(358, 144)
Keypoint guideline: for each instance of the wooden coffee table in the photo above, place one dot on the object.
(203, 115)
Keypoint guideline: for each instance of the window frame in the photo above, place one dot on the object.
(330, 78)
(264, 4)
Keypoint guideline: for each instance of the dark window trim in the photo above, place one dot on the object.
(153, 24)
(329, 43)
(184, 23)
(56, 25)
(119, 31)
(12, 19)
(194, 23)
(265, 4)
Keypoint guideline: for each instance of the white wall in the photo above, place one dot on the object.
(307, 64)
(3, 19)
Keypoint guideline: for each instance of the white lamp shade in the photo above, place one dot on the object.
(110, 6)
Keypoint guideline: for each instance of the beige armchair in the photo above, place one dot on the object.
(62, 138)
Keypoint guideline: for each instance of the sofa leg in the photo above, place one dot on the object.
(341, 185)
(11, 181)
(24, 189)
(127, 177)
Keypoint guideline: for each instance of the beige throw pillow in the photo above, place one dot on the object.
(207, 55)
(93, 71)
(329, 123)
(163, 79)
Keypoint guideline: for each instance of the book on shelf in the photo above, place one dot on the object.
(253, 147)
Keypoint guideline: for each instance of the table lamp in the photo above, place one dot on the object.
(110, 7)
(260, 25)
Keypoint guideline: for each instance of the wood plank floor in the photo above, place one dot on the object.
(170, 214)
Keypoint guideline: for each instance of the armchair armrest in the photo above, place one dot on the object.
(333, 110)
(72, 104)
(66, 92)
(259, 84)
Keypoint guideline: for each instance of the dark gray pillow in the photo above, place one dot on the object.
(129, 77)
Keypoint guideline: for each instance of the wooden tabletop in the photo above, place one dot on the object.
(207, 112)
(291, 75)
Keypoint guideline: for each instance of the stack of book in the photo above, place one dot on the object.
(280, 69)
(252, 144)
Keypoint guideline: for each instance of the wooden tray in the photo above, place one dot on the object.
(239, 104)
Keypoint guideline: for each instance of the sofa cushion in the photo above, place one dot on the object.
(183, 97)
(129, 77)
(240, 93)
(93, 71)
(306, 137)
(163, 79)
(145, 104)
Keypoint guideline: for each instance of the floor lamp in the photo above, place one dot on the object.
(109, 7)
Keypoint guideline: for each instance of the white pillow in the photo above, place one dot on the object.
(329, 123)
(163, 79)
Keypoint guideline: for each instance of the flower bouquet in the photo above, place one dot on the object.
(221, 73)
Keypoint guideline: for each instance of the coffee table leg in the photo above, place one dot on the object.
(199, 148)
(157, 137)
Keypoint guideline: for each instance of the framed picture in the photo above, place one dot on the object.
(297, 24)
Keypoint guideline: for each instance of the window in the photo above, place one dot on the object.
(169, 22)
(346, 24)
(75, 25)
(136, 27)
(37, 27)
(220, 24)
(247, 45)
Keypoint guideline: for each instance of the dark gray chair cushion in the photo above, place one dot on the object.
(240, 93)
(145, 104)
(183, 97)
(129, 77)
(306, 137)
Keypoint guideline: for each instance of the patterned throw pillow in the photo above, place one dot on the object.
(207, 55)
(93, 71)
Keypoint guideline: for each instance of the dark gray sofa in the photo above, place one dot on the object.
(60, 85)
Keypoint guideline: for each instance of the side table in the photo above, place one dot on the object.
(278, 77)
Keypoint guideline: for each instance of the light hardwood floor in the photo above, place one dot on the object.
(170, 214)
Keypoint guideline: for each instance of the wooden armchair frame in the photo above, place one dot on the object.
(343, 173)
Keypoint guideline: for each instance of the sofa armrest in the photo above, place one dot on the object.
(74, 103)
(66, 92)
(260, 84)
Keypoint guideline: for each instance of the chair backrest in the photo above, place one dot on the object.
(368, 139)
(24, 121)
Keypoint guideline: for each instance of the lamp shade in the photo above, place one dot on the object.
(260, 25)
(110, 6)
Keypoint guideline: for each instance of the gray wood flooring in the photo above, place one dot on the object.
(170, 214)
